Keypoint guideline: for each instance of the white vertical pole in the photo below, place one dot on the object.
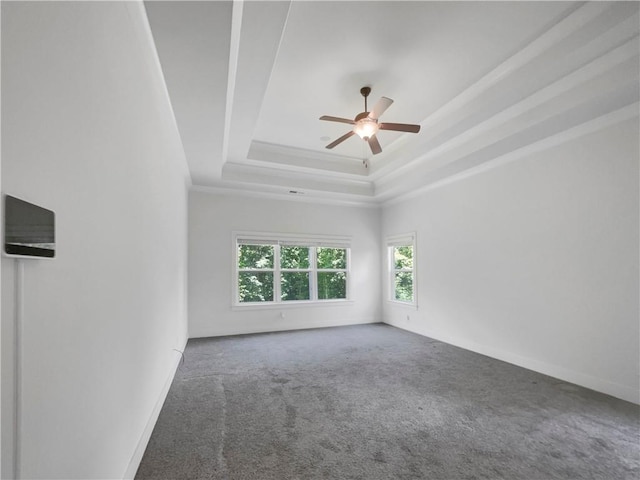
(17, 390)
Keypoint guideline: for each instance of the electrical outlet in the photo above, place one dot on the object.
(408, 318)
(282, 315)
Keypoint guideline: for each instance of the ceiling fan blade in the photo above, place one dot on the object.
(380, 107)
(374, 144)
(340, 140)
(337, 119)
(400, 127)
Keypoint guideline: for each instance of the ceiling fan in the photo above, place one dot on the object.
(366, 124)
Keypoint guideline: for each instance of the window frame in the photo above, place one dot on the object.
(313, 242)
(403, 240)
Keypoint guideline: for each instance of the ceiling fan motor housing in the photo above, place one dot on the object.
(360, 116)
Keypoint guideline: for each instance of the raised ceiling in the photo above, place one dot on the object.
(489, 82)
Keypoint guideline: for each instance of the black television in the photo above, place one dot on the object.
(29, 230)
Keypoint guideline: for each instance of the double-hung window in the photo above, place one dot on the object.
(295, 273)
(256, 269)
(402, 278)
(283, 269)
(331, 273)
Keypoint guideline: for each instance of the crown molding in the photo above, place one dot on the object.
(237, 172)
(609, 74)
(613, 118)
(442, 124)
(304, 160)
(279, 193)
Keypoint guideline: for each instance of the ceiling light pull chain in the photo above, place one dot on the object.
(365, 162)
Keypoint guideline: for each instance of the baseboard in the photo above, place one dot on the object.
(244, 329)
(130, 473)
(593, 383)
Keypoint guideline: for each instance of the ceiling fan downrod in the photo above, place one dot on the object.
(365, 91)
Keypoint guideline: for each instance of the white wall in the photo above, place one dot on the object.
(213, 218)
(87, 131)
(536, 262)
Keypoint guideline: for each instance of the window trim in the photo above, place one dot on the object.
(393, 241)
(284, 239)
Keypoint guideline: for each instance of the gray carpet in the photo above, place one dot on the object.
(375, 402)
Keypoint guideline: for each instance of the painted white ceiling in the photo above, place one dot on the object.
(487, 81)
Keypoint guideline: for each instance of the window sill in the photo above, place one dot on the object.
(291, 304)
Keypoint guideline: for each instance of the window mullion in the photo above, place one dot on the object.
(313, 274)
(276, 274)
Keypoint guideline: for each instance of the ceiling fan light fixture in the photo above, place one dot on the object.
(366, 127)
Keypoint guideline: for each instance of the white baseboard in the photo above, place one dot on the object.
(240, 328)
(622, 392)
(130, 473)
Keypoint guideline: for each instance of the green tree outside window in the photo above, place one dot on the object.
(255, 285)
(332, 284)
(300, 273)
(403, 273)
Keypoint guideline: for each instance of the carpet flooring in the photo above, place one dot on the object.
(375, 402)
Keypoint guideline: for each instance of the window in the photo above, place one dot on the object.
(255, 273)
(331, 272)
(289, 269)
(295, 273)
(402, 269)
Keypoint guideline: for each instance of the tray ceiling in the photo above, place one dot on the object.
(487, 81)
